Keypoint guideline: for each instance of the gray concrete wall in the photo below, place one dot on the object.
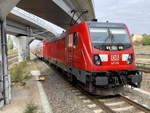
(22, 43)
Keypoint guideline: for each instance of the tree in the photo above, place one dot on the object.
(146, 40)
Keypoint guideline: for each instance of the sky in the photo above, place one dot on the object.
(134, 13)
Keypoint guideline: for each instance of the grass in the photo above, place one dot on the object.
(12, 51)
(31, 108)
(20, 72)
(144, 66)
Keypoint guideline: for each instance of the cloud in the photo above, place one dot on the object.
(135, 13)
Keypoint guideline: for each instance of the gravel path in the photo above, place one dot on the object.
(146, 82)
(23, 95)
(60, 93)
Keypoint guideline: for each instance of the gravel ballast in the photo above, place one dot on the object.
(60, 93)
(63, 99)
(141, 98)
(146, 82)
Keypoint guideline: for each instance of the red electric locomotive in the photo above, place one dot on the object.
(100, 56)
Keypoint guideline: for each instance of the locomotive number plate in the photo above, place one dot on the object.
(114, 57)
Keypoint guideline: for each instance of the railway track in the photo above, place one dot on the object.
(142, 54)
(143, 67)
(135, 104)
(144, 70)
(117, 104)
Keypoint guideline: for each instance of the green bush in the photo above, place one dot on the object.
(146, 40)
(137, 43)
(12, 51)
(28, 58)
(31, 108)
(19, 73)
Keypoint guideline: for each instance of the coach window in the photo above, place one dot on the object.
(75, 39)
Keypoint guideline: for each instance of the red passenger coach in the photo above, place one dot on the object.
(100, 56)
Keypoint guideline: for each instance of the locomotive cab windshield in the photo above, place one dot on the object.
(109, 36)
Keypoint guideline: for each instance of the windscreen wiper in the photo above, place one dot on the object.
(110, 36)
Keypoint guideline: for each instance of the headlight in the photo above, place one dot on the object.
(97, 60)
(96, 57)
(130, 59)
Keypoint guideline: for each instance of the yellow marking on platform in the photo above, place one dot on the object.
(42, 78)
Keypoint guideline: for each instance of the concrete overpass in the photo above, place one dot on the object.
(27, 27)
(18, 21)
(56, 11)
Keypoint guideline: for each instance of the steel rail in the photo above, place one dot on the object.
(145, 70)
(135, 104)
(108, 109)
(101, 104)
(143, 54)
(95, 100)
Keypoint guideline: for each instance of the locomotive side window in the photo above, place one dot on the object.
(75, 39)
(70, 40)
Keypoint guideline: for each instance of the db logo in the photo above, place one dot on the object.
(114, 57)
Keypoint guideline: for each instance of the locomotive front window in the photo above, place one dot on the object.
(109, 35)
(110, 39)
(98, 35)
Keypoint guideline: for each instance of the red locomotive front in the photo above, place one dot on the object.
(113, 48)
(100, 56)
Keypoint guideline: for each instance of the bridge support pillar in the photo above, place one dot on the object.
(23, 45)
(23, 48)
(5, 93)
